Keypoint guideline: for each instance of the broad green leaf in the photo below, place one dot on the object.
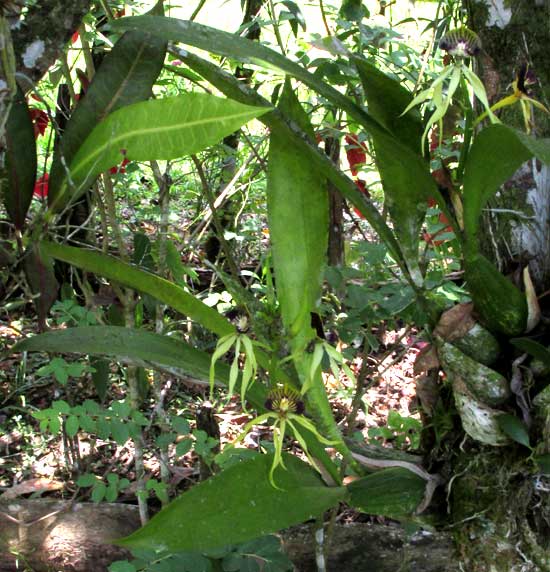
(387, 99)
(157, 129)
(238, 505)
(128, 275)
(231, 87)
(18, 175)
(496, 154)
(72, 425)
(297, 208)
(514, 428)
(233, 46)
(126, 76)
(352, 10)
(393, 492)
(500, 305)
(226, 44)
(407, 187)
(128, 345)
(543, 462)
(533, 348)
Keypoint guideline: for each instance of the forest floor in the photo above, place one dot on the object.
(34, 465)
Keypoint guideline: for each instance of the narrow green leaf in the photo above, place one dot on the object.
(543, 462)
(501, 306)
(126, 76)
(387, 99)
(393, 492)
(168, 293)
(533, 348)
(407, 187)
(237, 505)
(514, 428)
(128, 345)
(39, 272)
(157, 129)
(297, 208)
(496, 154)
(233, 46)
(231, 87)
(18, 175)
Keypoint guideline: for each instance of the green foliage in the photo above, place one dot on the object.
(117, 422)
(101, 491)
(18, 172)
(394, 492)
(236, 505)
(403, 431)
(298, 226)
(168, 128)
(259, 555)
(63, 370)
(126, 76)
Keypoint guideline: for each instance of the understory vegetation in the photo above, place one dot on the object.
(245, 280)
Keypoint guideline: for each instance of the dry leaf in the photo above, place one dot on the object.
(456, 322)
(533, 308)
(37, 485)
(427, 392)
(426, 360)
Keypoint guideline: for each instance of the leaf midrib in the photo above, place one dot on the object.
(144, 131)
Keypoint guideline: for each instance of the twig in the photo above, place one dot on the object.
(215, 219)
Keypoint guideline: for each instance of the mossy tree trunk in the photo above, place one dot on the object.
(515, 34)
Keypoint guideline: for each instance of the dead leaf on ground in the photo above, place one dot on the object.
(426, 360)
(456, 322)
(38, 485)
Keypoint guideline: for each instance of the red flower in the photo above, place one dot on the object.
(356, 153)
(41, 186)
(362, 186)
(119, 168)
(40, 121)
(74, 37)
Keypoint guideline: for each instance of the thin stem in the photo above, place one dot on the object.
(324, 17)
(107, 8)
(87, 52)
(163, 182)
(233, 268)
(271, 10)
(197, 10)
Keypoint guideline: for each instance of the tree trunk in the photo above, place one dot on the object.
(76, 539)
(518, 222)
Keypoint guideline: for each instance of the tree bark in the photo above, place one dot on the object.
(76, 539)
(518, 222)
(44, 32)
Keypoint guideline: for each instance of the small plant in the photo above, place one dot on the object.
(403, 431)
(103, 491)
(62, 370)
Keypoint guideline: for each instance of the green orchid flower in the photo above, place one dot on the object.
(286, 410)
(460, 44)
(242, 344)
(336, 363)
